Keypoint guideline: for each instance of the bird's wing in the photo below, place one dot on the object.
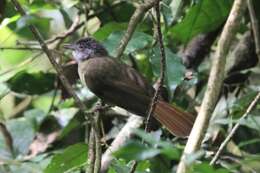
(127, 96)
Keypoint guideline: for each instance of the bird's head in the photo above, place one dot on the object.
(86, 48)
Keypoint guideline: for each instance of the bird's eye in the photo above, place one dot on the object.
(81, 47)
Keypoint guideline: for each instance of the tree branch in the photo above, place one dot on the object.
(162, 65)
(234, 129)
(57, 67)
(123, 136)
(214, 83)
(91, 152)
(136, 17)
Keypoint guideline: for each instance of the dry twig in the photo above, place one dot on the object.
(234, 129)
(162, 67)
(91, 152)
(214, 83)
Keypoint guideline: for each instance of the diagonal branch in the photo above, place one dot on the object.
(234, 129)
(136, 17)
(49, 54)
(214, 83)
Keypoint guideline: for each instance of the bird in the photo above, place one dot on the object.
(119, 84)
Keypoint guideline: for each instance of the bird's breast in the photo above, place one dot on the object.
(95, 71)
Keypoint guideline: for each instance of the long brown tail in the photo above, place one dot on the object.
(178, 122)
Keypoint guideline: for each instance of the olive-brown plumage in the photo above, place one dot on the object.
(121, 85)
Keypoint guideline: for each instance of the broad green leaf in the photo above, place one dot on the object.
(139, 41)
(22, 132)
(27, 20)
(20, 26)
(73, 157)
(107, 29)
(32, 83)
(174, 68)
(136, 151)
(205, 16)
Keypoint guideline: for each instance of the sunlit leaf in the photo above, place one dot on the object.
(205, 16)
(138, 41)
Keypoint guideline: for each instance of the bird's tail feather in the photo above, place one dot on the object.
(175, 120)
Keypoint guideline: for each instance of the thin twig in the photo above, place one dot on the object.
(162, 74)
(22, 64)
(234, 129)
(255, 27)
(74, 27)
(133, 167)
(98, 152)
(162, 63)
(20, 48)
(136, 17)
(91, 152)
(214, 83)
(57, 67)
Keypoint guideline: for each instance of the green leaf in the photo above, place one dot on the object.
(139, 41)
(73, 157)
(32, 83)
(22, 132)
(170, 10)
(136, 151)
(174, 68)
(74, 123)
(107, 29)
(27, 20)
(205, 16)
(35, 116)
(166, 148)
(206, 167)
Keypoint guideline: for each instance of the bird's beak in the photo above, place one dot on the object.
(69, 46)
